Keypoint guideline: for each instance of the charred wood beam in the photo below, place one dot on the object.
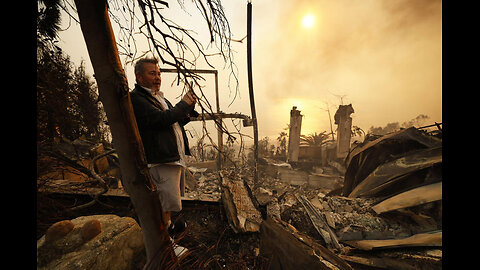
(247, 121)
(394, 262)
(438, 125)
(240, 207)
(291, 250)
(432, 239)
(174, 70)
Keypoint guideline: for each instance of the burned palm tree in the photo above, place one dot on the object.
(314, 139)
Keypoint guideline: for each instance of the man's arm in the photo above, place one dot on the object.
(185, 120)
(150, 117)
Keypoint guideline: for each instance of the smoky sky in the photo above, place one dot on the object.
(347, 35)
(384, 57)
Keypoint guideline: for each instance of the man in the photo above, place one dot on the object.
(161, 128)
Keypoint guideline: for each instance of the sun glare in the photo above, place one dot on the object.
(308, 21)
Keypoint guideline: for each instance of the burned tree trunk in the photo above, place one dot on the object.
(114, 94)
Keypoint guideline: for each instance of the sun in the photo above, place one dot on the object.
(308, 21)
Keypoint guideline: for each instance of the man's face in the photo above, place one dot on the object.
(150, 77)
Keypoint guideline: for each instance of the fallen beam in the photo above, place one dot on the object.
(375, 262)
(398, 261)
(417, 240)
(247, 121)
(416, 196)
(289, 250)
(241, 213)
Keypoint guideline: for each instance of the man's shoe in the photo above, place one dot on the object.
(177, 228)
(179, 250)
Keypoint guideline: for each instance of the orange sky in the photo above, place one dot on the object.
(383, 57)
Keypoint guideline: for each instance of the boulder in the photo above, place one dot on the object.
(94, 242)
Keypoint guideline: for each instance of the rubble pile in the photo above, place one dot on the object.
(202, 184)
(386, 213)
(379, 208)
(68, 166)
(392, 164)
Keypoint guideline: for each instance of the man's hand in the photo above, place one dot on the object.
(190, 98)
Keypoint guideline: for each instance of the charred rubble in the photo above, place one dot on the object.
(377, 206)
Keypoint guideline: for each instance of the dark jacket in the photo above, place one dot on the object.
(155, 125)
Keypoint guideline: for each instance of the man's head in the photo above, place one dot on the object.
(147, 73)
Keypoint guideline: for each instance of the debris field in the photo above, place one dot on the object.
(380, 207)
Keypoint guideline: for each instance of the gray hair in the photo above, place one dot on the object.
(140, 62)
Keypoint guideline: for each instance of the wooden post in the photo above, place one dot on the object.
(219, 130)
(250, 88)
(114, 94)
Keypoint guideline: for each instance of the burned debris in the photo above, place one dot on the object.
(379, 206)
(390, 159)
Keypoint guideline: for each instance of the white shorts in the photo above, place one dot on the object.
(170, 183)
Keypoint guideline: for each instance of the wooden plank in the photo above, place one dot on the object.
(240, 210)
(323, 252)
(416, 196)
(384, 262)
(417, 240)
(291, 251)
(373, 262)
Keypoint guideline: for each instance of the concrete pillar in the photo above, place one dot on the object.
(344, 129)
(294, 134)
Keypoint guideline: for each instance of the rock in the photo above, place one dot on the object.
(273, 209)
(58, 230)
(347, 208)
(317, 169)
(264, 191)
(263, 196)
(325, 206)
(90, 229)
(329, 218)
(316, 203)
(95, 242)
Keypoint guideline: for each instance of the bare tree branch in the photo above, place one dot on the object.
(178, 47)
(99, 180)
